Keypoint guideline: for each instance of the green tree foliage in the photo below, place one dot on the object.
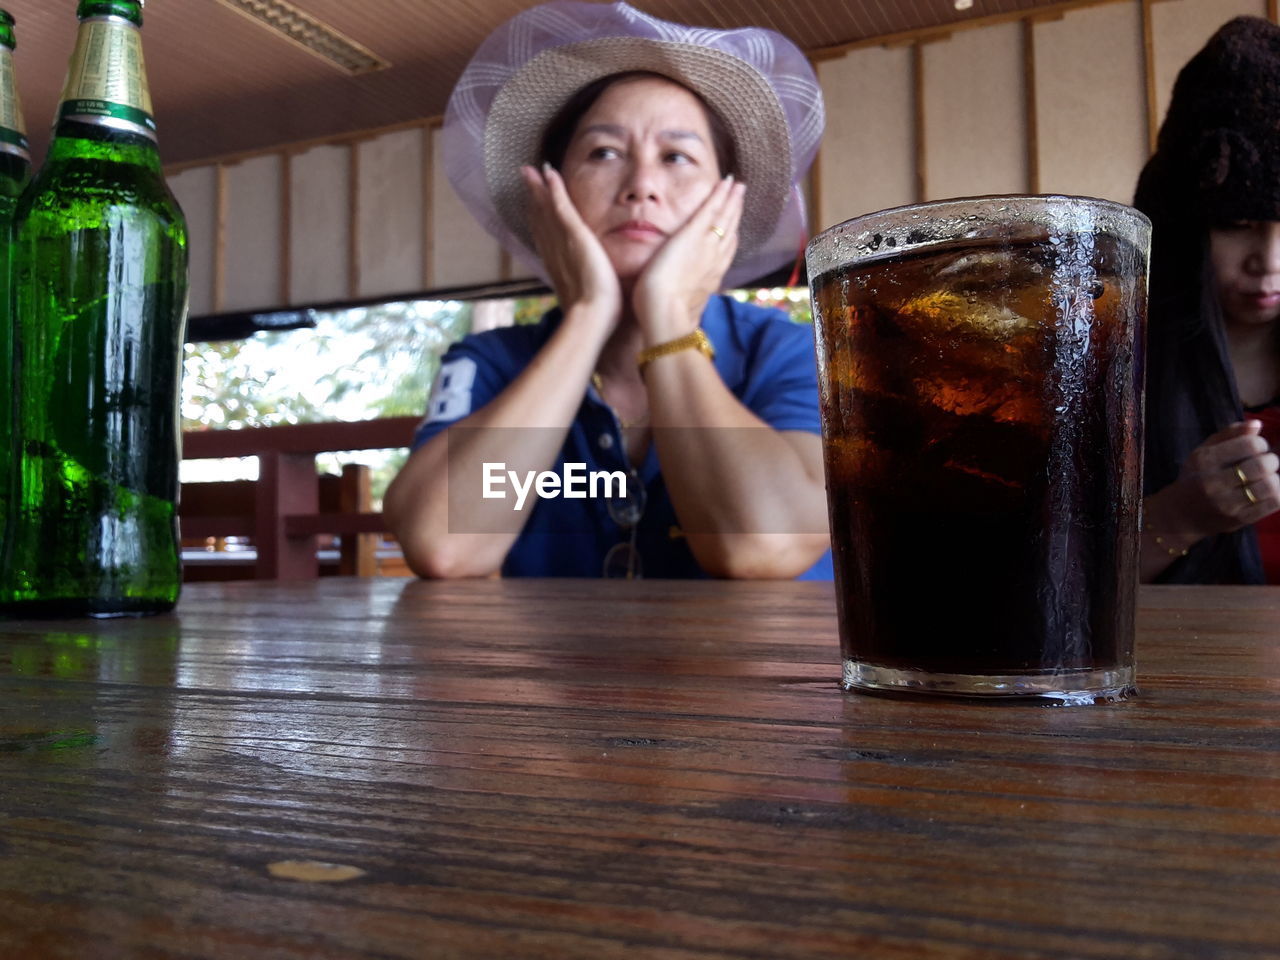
(530, 309)
(400, 346)
(222, 388)
(354, 365)
(794, 301)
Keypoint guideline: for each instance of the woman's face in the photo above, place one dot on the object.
(1246, 265)
(640, 162)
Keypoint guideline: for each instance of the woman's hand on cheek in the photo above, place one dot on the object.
(689, 268)
(577, 265)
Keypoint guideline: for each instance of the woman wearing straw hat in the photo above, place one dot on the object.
(639, 166)
(1212, 190)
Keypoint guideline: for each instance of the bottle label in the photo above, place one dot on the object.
(107, 79)
(13, 132)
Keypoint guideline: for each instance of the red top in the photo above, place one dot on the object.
(1269, 527)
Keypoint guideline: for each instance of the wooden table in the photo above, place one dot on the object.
(602, 769)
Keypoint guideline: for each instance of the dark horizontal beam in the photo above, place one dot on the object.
(237, 326)
(240, 326)
(383, 434)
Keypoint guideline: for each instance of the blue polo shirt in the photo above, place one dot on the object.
(765, 359)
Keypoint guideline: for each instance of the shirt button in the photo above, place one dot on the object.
(606, 441)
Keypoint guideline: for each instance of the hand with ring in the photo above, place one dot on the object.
(1244, 485)
(670, 294)
(1230, 481)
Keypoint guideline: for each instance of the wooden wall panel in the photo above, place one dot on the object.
(389, 205)
(1091, 122)
(1181, 27)
(975, 114)
(319, 232)
(197, 193)
(253, 238)
(463, 252)
(868, 158)
(949, 117)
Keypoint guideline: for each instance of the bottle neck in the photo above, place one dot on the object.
(129, 9)
(107, 80)
(13, 132)
(75, 140)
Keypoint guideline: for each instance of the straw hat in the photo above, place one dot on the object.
(756, 80)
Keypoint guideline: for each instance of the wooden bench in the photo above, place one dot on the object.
(289, 505)
(211, 512)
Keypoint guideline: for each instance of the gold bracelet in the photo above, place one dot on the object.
(690, 341)
(1171, 551)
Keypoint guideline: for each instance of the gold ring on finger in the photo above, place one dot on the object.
(1244, 481)
(718, 230)
(1248, 494)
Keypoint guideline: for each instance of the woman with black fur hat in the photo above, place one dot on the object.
(1212, 191)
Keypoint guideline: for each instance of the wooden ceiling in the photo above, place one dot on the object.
(223, 84)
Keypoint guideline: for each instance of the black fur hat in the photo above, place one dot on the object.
(1217, 158)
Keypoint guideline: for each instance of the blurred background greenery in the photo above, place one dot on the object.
(355, 364)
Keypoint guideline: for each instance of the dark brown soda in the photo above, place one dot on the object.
(982, 424)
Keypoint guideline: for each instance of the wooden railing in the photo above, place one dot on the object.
(287, 510)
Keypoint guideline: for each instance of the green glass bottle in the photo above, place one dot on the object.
(100, 267)
(15, 168)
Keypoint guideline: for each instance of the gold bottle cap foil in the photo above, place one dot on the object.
(13, 131)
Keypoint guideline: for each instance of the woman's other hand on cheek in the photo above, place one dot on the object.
(669, 296)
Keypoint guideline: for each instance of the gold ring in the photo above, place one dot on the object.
(1249, 493)
(718, 231)
(1244, 481)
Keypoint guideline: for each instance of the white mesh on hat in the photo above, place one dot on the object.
(757, 80)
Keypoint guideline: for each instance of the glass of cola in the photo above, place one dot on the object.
(980, 370)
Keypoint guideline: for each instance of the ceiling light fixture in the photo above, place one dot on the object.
(312, 35)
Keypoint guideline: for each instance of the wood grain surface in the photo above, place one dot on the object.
(547, 769)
